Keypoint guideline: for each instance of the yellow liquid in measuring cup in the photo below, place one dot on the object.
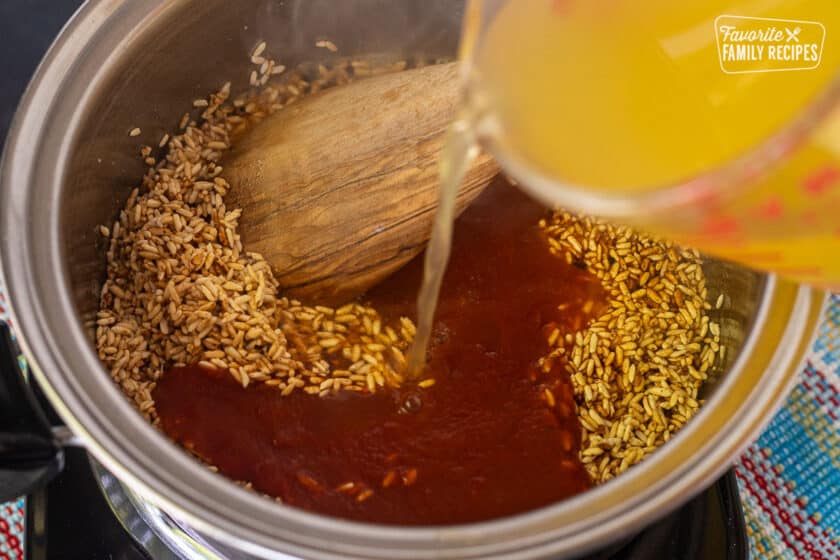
(630, 97)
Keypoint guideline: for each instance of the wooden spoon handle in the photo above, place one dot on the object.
(340, 189)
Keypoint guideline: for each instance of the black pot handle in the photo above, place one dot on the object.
(30, 455)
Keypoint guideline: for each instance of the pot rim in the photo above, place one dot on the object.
(53, 338)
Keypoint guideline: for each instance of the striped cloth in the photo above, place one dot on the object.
(12, 514)
(789, 479)
(11, 530)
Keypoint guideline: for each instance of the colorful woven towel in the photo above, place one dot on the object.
(789, 479)
(12, 516)
(11, 530)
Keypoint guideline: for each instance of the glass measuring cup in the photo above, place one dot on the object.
(674, 117)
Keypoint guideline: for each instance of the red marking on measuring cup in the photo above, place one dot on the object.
(720, 226)
(821, 181)
(771, 209)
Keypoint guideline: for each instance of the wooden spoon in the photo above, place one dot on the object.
(340, 189)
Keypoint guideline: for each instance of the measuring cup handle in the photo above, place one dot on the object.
(30, 455)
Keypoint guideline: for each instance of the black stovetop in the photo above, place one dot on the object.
(70, 518)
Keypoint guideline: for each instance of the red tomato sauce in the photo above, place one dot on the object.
(484, 441)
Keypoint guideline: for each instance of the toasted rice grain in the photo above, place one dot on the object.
(180, 289)
(326, 44)
(636, 368)
(259, 49)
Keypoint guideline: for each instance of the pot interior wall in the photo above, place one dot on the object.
(188, 49)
